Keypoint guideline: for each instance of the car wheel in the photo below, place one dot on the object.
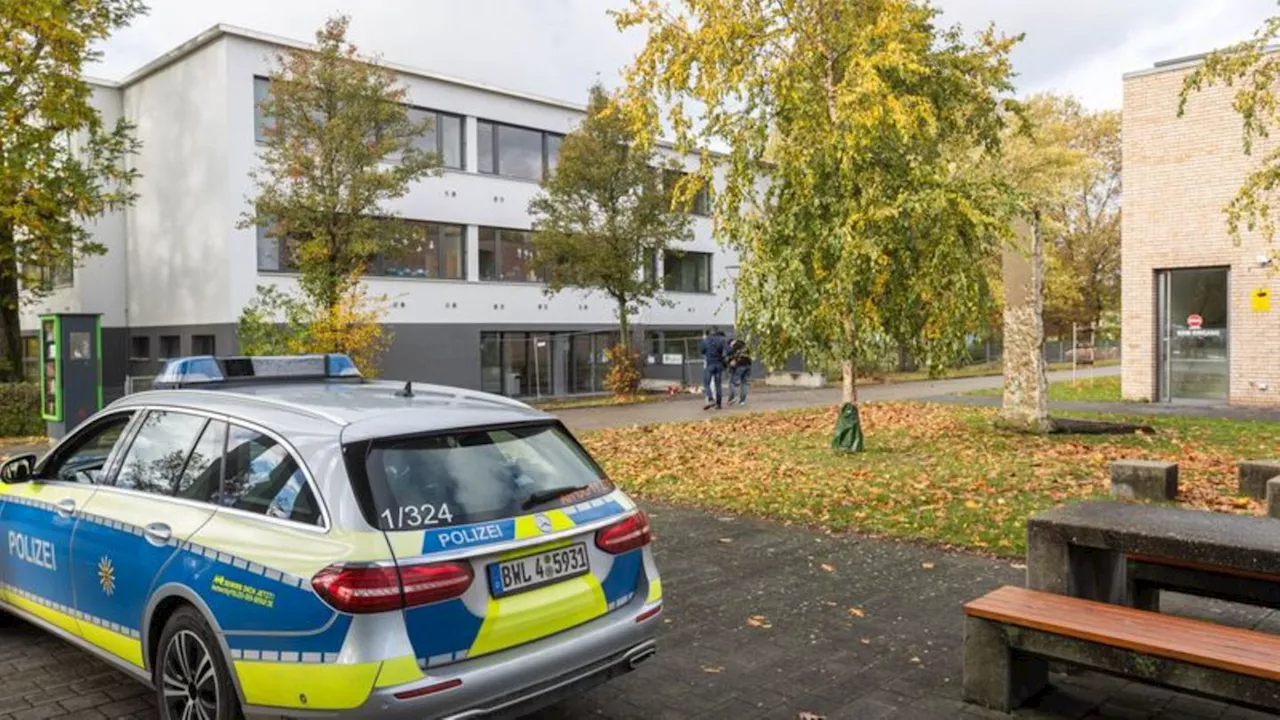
(189, 673)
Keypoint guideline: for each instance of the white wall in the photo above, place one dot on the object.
(177, 265)
(462, 197)
(96, 287)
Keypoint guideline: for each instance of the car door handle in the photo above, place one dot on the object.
(65, 507)
(157, 533)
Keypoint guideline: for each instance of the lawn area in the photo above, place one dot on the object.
(1103, 389)
(938, 473)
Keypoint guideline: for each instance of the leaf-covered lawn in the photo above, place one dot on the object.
(1103, 389)
(939, 473)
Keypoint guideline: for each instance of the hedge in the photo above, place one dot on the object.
(20, 410)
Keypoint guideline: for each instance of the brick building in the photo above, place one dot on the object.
(1199, 324)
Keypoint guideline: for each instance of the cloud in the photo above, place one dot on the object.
(559, 47)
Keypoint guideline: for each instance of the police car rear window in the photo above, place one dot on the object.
(468, 476)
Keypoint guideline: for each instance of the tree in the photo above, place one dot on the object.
(340, 144)
(851, 126)
(61, 165)
(1083, 226)
(605, 215)
(1252, 68)
(1041, 164)
(280, 323)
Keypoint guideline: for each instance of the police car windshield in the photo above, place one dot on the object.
(469, 476)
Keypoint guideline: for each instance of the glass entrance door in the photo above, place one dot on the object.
(1193, 330)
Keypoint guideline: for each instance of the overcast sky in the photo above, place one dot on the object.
(557, 48)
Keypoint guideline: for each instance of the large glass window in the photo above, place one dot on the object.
(262, 123)
(263, 478)
(686, 272)
(436, 251)
(516, 152)
(506, 255)
(444, 137)
(701, 204)
(275, 255)
(674, 347)
(516, 364)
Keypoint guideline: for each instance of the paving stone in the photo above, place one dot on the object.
(813, 659)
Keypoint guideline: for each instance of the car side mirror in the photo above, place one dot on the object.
(18, 469)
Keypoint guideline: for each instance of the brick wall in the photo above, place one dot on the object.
(1179, 174)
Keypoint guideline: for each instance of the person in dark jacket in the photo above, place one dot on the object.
(714, 351)
(739, 371)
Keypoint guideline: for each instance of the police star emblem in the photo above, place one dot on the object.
(107, 575)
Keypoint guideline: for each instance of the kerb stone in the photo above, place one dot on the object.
(1253, 476)
(1144, 480)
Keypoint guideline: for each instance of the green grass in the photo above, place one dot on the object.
(941, 474)
(1103, 389)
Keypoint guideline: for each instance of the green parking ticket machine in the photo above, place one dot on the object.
(70, 370)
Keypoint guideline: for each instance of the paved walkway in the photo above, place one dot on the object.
(685, 410)
(762, 621)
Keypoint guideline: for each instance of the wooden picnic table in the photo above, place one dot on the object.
(1125, 553)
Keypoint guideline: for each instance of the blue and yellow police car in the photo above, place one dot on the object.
(278, 537)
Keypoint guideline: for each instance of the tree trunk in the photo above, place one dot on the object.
(1026, 389)
(624, 326)
(11, 369)
(849, 366)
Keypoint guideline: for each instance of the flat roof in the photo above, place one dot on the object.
(222, 30)
(1180, 63)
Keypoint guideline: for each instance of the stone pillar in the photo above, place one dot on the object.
(1144, 480)
(1253, 476)
(1026, 389)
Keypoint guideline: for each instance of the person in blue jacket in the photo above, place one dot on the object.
(714, 352)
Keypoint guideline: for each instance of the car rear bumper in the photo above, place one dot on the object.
(521, 680)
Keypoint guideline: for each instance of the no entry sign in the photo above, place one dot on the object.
(1195, 322)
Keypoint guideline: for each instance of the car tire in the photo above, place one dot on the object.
(190, 674)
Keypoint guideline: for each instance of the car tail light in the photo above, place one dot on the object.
(362, 590)
(625, 536)
(435, 582)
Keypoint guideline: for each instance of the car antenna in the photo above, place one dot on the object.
(408, 389)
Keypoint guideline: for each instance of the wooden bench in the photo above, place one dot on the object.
(1013, 633)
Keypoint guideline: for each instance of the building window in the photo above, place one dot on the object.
(515, 363)
(507, 255)
(516, 152)
(674, 347)
(437, 251)
(274, 255)
(444, 138)
(46, 278)
(688, 272)
(262, 123)
(170, 347)
(139, 348)
(701, 200)
(203, 345)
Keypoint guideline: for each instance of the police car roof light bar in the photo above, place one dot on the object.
(206, 370)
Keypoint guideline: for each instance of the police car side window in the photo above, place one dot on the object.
(84, 459)
(159, 451)
(262, 477)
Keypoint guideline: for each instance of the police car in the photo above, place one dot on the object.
(277, 537)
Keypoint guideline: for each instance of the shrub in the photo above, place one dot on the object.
(20, 410)
(624, 375)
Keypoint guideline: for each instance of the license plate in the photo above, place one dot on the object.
(532, 571)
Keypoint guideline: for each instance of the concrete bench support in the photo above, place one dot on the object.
(995, 675)
(1253, 476)
(1273, 497)
(1144, 480)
